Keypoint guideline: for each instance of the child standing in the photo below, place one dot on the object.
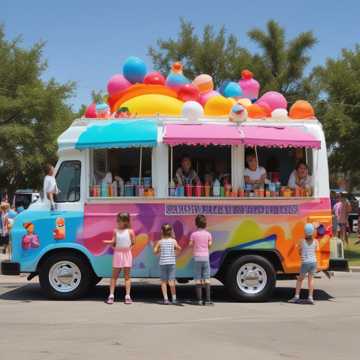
(201, 241)
(167, 247)
(307, 251)
(4, 226)
(122, 241)
(342, 209)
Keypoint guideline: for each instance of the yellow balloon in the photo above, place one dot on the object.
(152, 104)
(219, 106)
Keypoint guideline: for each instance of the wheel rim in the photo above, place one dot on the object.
(251, 278)
(64, 276)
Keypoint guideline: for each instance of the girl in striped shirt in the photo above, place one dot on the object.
(167, 247)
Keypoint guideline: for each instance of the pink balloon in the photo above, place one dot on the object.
(117, 83)
(275, 100)
(249, 85)
(90, 111)
(206, 96)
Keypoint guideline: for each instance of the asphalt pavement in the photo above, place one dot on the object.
(33, 327)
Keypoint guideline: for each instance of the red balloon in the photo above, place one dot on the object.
(91, 111)
(188, 92)
(154, 78)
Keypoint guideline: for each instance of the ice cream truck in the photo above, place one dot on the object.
(135, 164)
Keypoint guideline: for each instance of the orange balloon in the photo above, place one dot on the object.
(256, 112)
(301, 109)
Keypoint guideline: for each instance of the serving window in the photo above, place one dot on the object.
(121, 172)
(276, 172)
(200, 171)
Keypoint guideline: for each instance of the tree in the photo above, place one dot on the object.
(32, 114)
(280, 65)
(340, 110)
(214, 53)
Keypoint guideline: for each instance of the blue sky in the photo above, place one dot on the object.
(87, 41)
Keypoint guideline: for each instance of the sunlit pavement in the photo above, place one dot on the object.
(33, 327)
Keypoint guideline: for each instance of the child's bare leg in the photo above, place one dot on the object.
(311, 285)
(127, 281)
(298, 285)
(115, 275)
(172, 289)
(164, 289)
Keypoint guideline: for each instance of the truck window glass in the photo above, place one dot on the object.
(68, 181)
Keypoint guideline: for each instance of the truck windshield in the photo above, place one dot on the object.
(68, 181)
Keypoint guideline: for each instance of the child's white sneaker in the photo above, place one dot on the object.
(294, 300)
(311, 301)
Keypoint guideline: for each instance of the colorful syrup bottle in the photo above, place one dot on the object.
(207, 189)
(216, 188)
(172, 188)
(198, 189)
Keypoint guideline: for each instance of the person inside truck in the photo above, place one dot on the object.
(185, 174)
(300, 177)
(254, 174)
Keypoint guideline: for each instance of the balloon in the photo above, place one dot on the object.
(232, 89)
(204, 83)
(279, 114)
(265, 106)
(275, 100)
(301, 109)
(249, 86)
(117, 83)
(176, 78)
(91, 111)
(134, 69)
(204, 97)
(12, 214)
(256, 112)
(192, 110)
(137, 90)
(244, 102)
(188, 92)
(154, 78)
(238, 113)
(102, 110)
(152, 104)
(218, 106)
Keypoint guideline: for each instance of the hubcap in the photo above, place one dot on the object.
(64, 276)
(251, 278)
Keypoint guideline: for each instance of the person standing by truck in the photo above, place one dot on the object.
(342, 209)
(307, 251)
(50, 186)
(4, 226)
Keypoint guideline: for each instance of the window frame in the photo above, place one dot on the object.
(58, 172)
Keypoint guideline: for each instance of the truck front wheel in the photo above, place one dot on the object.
(65, 276)
(250, 278)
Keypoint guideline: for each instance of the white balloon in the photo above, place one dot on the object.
(192, 110)
(279, 114)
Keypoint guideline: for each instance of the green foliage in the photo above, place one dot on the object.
(32, 114)
(214, 53)
(340, 83)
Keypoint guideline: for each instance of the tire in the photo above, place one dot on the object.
(65, 276)
(250, 278)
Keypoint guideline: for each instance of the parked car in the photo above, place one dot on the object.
(24, 197)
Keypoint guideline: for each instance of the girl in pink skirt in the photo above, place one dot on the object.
(122, 241)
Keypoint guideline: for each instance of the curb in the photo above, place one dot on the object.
(354, 268)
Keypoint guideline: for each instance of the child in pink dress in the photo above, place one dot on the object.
(122, 241)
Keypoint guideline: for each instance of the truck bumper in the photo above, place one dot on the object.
(10, 268)
(338, 265)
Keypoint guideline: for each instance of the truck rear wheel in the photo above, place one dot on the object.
(250, 278)
(65, 276)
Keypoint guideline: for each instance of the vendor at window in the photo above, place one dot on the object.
(185, 174)
(300, 177)
(254, 174)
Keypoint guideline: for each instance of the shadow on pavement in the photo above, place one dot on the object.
(147, 293)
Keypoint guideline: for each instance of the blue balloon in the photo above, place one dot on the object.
(222, 87)
(176, 80)
(12, 214)
(232, 89)
(134, 69)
